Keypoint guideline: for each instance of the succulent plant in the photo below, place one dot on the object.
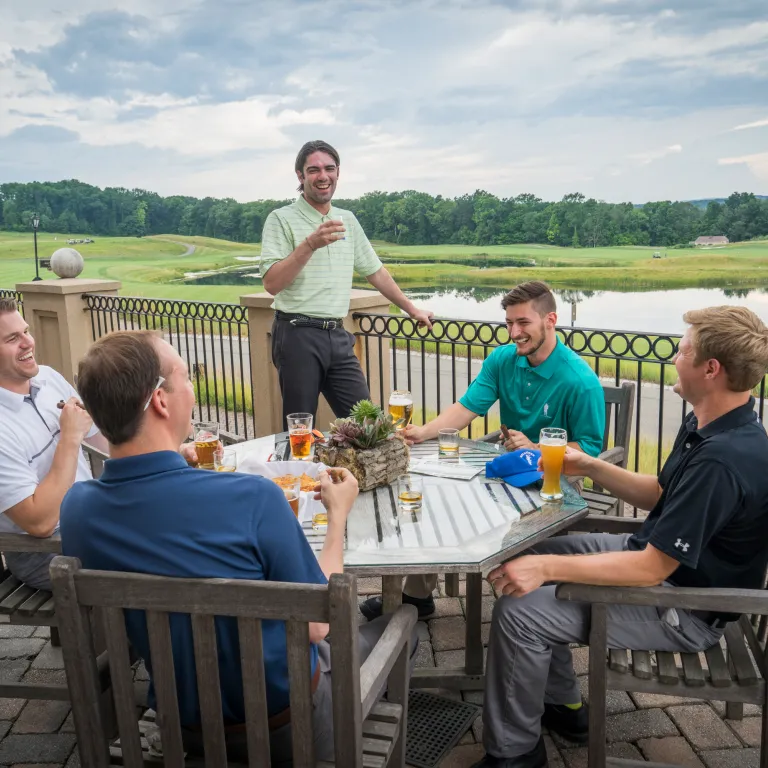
(348, 433)
(365, 410)
(345, 432)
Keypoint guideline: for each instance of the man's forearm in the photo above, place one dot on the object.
(38, 515)
(331, 557)
(643, 568)
(639, 490)
(385, 284)
(282, 273)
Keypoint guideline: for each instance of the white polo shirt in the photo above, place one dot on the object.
(29, 434)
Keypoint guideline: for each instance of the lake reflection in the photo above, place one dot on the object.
(657, 311)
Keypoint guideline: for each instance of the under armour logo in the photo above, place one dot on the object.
(679, 545)
(546, 409)
(528, 456)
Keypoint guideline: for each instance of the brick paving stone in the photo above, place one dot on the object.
(487, 607)
(702, 727)
(553, 754)
(424, 656)
(447, 606)
(13, 671)
(10, 708)
(453, 658)
(616, 702)
(578, 757)
(49, 658)
(74, 759)
(20, 648)
(463, 757)
(731, 758)
(640, 724)
(47, 676)
(580, 660)
(474, 697)
(37, 765)
(15, 630)
(447, 634)
(651, 700)
(422, 631)
(750, 710)
(748, 730)
(369, 585)
(141, 672)
(68, 726)
(42, 632)
(40, 748)
(674, 750)
(5, 726)
(42, 717)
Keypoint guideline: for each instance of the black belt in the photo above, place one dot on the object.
(324, 323)
(715, 620)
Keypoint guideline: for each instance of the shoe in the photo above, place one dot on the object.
(536, 758)
(571, 724)
(373, 607)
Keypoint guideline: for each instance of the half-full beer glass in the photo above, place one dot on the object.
(401, 408)
(300, 435)
(552, 444)
(206, 442)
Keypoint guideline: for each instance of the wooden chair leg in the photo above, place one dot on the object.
(452, 584)
(598, 650)
(734, 710)
(397, 693)
(55, 639)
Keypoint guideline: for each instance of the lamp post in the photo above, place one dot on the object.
(35, 225)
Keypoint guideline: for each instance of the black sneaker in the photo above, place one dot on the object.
(373, 607)
(571, 724)
(536, 758)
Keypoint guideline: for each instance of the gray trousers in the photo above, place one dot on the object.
(529, 661)
(280, 746)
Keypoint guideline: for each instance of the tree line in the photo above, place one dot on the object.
(407, 218)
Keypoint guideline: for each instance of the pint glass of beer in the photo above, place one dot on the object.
(300, 435)
(401, 408)
(206, 442)
(552, 444)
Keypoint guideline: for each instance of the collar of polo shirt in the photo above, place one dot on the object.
(548, 367)
(13, 400)
(731, 420)
(312, 214)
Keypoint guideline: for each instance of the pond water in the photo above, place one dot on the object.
(657, 311)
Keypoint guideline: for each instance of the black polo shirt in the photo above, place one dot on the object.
(712, 516)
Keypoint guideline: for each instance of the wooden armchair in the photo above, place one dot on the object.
(368, 731)
(737, 676)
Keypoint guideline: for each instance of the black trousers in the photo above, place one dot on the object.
(311, 362)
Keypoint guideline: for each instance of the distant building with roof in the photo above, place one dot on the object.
(711, 240)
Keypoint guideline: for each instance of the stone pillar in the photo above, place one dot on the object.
(59, 320)
(266, 391)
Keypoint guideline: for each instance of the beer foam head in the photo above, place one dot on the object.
(400, 398)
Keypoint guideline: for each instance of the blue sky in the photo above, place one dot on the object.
(618, 99)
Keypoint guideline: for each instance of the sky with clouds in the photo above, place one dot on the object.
(619, 99)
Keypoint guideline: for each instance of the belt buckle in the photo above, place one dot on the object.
(329, 325)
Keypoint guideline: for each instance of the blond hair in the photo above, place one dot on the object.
(734, 336)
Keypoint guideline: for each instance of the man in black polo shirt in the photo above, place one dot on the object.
(708, 527)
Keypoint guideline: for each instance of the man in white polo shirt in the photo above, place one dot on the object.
(309, 251)
(40, 446)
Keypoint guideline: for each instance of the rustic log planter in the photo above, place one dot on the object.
(371, 467)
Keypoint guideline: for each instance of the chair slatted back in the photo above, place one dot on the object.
(85, 597)
(619, 408)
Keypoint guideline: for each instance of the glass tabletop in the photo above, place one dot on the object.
(467, 525)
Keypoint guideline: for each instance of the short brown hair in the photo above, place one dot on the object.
(734, 336)
(116, 378)
(8, 305)
(314, 146)
(534, 291)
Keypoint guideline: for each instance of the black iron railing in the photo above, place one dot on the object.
(9, 293)
(211, 338)
(438, 365)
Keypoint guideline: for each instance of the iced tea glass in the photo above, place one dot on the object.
(552, 444)
(206, 442)
(300, 435)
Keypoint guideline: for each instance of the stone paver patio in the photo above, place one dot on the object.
(658, 728)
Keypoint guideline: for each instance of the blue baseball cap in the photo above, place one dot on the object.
(518, 468)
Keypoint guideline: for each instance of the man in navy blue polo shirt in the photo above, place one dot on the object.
(707, 527)
(152, 513)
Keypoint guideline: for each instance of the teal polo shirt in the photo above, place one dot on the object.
(562, 392)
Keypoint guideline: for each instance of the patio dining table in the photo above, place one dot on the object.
(464, 526)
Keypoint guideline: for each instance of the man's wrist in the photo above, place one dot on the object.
(71, 440)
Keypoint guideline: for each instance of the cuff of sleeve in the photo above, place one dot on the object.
(11, 500)
(675, 553)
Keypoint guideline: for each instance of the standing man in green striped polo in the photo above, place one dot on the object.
(309, 250)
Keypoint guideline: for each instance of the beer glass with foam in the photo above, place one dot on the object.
(206, 443)
(401, 408)
(552, 444)
(300, 435)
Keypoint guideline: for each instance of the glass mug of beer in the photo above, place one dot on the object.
(401, 408)
(206, 443)
(300, 435)
(552, 444)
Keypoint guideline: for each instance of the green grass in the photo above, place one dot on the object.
(212, 392)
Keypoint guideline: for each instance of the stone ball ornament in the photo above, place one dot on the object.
(66, 262)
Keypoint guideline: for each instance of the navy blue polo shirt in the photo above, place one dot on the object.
(155, 514)
(712, 516)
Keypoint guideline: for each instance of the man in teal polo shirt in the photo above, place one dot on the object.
(309, 251)
(538, 383)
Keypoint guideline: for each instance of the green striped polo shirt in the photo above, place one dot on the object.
(323, 286)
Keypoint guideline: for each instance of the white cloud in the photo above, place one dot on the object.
(757, 163)
(755, 124)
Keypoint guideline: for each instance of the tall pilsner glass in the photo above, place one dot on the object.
(552, 444)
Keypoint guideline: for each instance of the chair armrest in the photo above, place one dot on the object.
(686, 598)
(612, 455)
(230, 438)
(607, 524)
(23, 542)
(376, 668)
(96, 452)
(491, 437)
